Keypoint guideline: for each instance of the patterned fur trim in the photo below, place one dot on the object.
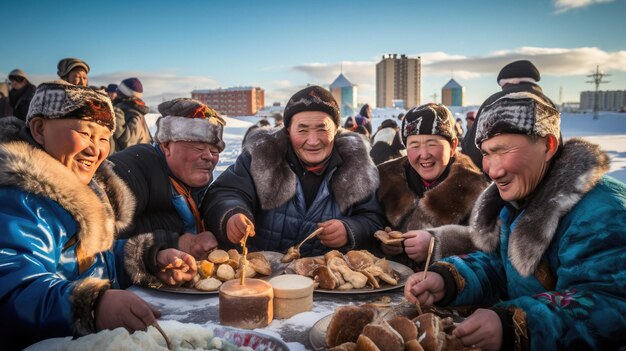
(573, 174)
(138, 251)
(35, 171)
(83, 300)
(353, 181)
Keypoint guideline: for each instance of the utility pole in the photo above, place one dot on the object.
(434, 96)
(560, 96)
(596, 78)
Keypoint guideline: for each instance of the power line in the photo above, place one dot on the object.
(596, 78)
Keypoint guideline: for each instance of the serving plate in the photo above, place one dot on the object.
(403, 271)
(317, 334)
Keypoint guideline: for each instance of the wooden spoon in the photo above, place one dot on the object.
(294, 252)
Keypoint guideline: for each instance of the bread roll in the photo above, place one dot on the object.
(218, 256)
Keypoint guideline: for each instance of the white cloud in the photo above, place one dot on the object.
(566, 5)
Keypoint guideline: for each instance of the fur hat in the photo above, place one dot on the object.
(518, 71)
(66, 65)
(428, 119)
(131, 87)
(18, 73)
(185, 119)
(60, 99)
(312, 98)
(518, 113)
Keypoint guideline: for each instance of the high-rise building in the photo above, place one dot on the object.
(452, 94)
(608, 100)
(398, 79)
(345, 93)
(239, 101)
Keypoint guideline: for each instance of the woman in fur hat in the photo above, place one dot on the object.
(61, 207)
(552, 271)
(433, 185)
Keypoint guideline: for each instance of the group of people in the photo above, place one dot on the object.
(539, 248)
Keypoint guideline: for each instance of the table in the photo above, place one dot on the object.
(202, 309)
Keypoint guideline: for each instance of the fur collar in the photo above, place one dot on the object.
(353, 181)
(573, 174)
(450, 202)
(27, 167)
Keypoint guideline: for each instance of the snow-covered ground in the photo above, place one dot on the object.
(609, 131)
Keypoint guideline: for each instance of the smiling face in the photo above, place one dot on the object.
(312, 135)
(191, 162)
(517, 163)
(429, 155)
(79, 145)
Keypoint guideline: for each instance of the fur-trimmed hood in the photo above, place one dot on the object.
(450, 202)
(571, 176)
(353, 181)
(30, 168)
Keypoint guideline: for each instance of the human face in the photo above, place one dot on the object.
(470, 122)
(312, 135)
(112, 95)
(79, 145)
(516, 163)
(17, 83)
(429, 155)
(191, 162)
(77, 76)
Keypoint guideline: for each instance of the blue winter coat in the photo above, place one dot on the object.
(560, 264)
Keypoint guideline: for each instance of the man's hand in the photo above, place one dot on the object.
(120, 308)
(483, 329)
(393, 249)
(334, 234)
(236, 227)
(416, 244)
(198, 245)
(175, 266)
(427, 291)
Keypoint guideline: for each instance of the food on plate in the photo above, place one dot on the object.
(354, 270)
(208, 284)
(397, 328)
(225, 272)
(218, 256)
(389, 236)
(246, 306)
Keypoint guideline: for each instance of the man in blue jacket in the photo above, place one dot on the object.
(552, 271)
(292, 180)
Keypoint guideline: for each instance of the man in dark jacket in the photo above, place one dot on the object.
(21, 93)
(130, 113)
(517, 76)
(291, 181)
(170, 178)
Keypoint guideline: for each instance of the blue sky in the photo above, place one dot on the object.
(174, 47)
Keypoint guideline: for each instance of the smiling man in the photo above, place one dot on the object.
(171, 177)
(552, 271)
(292, 180)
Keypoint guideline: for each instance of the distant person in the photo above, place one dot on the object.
(111, 90)
(400, 117)
(263, 123)
(73, 71)
(5, 103)
(458, 128)
(364, 118)
(170, 178)
(290, 181)
(278, 120)
(21, 93)
(387, 143)
(470, 117)
(130, 112)
(364, 132)
(517, 76)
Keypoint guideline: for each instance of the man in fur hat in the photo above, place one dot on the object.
(170, 178)
(552, 271)
(290, 181)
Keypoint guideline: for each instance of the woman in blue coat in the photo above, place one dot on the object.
(60, 268)
(552, 271)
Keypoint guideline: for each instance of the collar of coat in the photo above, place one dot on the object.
(449, 202)
(572, 175)
(353, 181)
(30, 168)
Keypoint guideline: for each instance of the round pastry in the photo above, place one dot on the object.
(225, 272)
(218, 256)
(208, 284)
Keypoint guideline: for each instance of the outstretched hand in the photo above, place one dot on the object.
(236, 227)
(120, 308)
(175, 266)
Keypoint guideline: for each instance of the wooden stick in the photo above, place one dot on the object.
(168, 342)
(312, 235)
(430, 253)
(244, 256)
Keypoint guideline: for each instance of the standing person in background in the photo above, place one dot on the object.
(112, 91)
(290, 181)
(170, 178)
(5, 103)
(364, 118)
(432, 186)
(470, 117)
(458, 128)
(551, 270)
(387, 143)
(73, 71)
(278, 120)
(516, 76)
(21, 93)
(62, 272)
(130, 113)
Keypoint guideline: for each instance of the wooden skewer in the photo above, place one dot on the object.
(168, 342)
(312, 235)
(244, 256)
(430, 253)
